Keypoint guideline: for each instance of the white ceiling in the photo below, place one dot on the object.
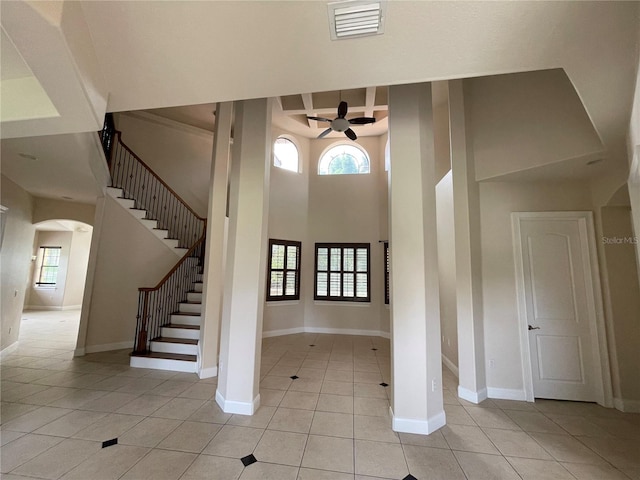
(158, 55)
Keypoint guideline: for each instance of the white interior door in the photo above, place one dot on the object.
(559, 307)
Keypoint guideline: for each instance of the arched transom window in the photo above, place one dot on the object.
(285, 154)
(343, 160)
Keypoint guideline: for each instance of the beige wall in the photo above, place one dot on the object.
(521, 121)
(497, 201)
(50, 297)
(77, 271)
(50, 209)
(447, 268)
(15, 257)
(129, 256)
(345, 208)
(624, 292)
(288, 203)
(180, 155)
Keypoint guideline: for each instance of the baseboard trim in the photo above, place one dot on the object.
(208, 372)
(627, 406)
(471, 396)
(52, 308)
(420, 427)
(344, 331)
(79, 352)
(240, 408)
(506, 394)
(450, 365)
(284, 331)
(106, 347)
(330, 331)
(8, 350)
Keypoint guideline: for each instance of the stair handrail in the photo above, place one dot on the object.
(149, 321)
(118, 134)
(149, 191)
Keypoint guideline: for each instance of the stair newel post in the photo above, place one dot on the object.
(142, 333)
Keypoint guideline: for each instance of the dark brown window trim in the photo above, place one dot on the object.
(341, 298)
(270, 270)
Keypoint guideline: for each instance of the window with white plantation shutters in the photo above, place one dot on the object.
(342, 272)
(283, 279)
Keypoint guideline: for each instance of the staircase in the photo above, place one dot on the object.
(168, 318)
(176, 348)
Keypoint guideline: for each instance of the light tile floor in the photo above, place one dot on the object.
(331, 423)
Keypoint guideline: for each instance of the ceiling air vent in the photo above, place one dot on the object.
(356, 18)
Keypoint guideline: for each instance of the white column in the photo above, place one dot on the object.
(213, 269)
(466, 206)
(416, 365)
(245, 272)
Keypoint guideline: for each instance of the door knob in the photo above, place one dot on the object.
(533, 328)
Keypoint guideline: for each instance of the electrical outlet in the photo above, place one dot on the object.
(442, 338)
(448, 342)
(492, 363)
(433, 385)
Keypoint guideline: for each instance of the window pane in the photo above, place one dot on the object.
(347, 286)
(361, 285)
(290, 288)
(343, 160)
(277, 256)
(292, 257)
(321, 288)
(348, 259)
(285, 154)
(361, 260)
(276, 283)
(323, 259)
(334, 290)
(335, 259)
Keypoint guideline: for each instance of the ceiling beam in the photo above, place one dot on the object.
(307, 101)
(331, 112)
(370, 101)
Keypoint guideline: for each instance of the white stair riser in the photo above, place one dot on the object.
(160, 233)
(168, 347)
(180, 333)
(115, 192)
(126, 202)
(198, 287)
(150, 224)
(190, 308)
(163, 364)
(171, 242)
(181, 251)
(185, 319)
(194, 297)
(139, 214)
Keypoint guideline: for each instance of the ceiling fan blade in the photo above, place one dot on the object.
(350, 133)
(319, 119)
(362, 120)
(342, 109)
(325, 133)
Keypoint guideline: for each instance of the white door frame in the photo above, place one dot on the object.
(602, 373)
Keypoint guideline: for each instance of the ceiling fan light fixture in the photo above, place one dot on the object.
(355, 18)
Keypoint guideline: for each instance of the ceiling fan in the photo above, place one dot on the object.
(341, 124)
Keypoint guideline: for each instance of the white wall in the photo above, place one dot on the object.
(129, 256)
(497, 201)
(345, 208)
(447, 268)
(15, 257)
(520, 121)
(180, 155)
(288, 204)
